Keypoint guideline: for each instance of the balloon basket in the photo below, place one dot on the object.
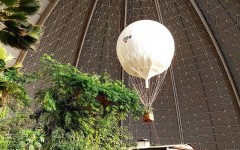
(148, 117)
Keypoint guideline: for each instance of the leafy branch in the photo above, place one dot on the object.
(86, 106)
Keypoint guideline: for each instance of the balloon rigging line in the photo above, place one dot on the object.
(141, 65)
(155, 132)
(159, 11)
(147, 96)
(159, 84)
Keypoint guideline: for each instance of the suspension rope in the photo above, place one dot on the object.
(148, 95)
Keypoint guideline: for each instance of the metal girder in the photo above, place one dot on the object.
(84, 35)
(218, 51)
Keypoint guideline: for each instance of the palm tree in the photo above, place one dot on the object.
(15, 28)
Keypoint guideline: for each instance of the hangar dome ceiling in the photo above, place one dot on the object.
(199, 101)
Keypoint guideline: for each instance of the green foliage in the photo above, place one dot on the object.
(16, 131)
(4, 111)
(82, 111)
(102, 139)
(75, 111)
(28, 7)
(13, 99)
(15, 29)
(48, 102)
(27, 139)
(14, 122)
(68, 81)
(9, 2)
(4, 142)
(12, 82)
(12, 85)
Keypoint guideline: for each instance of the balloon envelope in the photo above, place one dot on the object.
(145, 48)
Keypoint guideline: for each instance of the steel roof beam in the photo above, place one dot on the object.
(218, 50)
(84, 35)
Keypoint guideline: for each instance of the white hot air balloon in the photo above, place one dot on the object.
(145, 49)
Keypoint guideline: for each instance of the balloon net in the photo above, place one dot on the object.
(148, 95)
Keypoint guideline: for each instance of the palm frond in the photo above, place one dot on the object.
(13, 26)
(9, 3)
(18, 16)
(26, 42)
(17, 31)
(29, 7)
(35, 32)
(8, 38)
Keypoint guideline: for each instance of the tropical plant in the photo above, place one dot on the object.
(13, 101)
(27, 139)
(4, 142)
(18, 131)
(12, 82)
(15, 28)
(82, 111)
